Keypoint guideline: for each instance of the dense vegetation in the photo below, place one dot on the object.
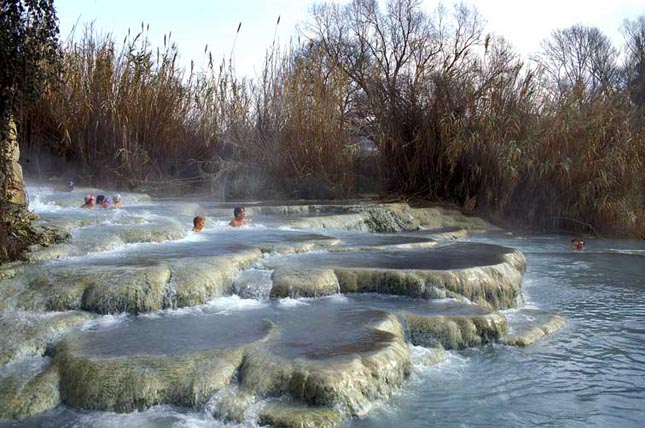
(28, 55)
(394, 101)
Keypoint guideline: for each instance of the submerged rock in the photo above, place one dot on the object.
(530, 325)
(428, 356)
(381, 242)
(95, 236)
(253, 284)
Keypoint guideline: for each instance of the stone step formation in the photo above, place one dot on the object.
(132, 311)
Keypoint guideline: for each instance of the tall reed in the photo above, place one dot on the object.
(456, 117)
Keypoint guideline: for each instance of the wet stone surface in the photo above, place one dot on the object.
(447, 257)
(172, 335)
(327, 331)
(402, 304)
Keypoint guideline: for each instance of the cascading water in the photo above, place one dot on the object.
(237, 327)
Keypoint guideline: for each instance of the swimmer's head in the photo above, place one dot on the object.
(198, 223)
(238, 212)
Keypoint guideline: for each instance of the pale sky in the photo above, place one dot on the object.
(195, 23)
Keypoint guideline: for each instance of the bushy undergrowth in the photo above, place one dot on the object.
(444, 112)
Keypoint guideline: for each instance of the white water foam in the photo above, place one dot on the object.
(218, 305)
(288, 302)
(38, 206)
(106, 322)
(229, 304)
(254, 284)
(421, 355)
(626, 251)
(155, 416)
(175, 312)
(453, 367)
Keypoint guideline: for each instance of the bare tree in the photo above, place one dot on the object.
(634, 32)
(580, 57)
(378, 49)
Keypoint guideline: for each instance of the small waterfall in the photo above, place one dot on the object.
(254, 284)
(170, 293)
(230, 404)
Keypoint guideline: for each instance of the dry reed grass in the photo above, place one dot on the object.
(461, 119)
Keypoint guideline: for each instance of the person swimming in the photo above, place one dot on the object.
(577, 244)
(116, 201)
(238, 220)
(105, 203)
(198, 223)
(70, 186)
(89, 202)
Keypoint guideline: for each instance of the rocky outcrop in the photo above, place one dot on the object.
(286, 363)
(28, 388)
(493, 282)
(378, 217)
(530, 325)
(124, 380)
(456, 331)
(438, 217)
(304, 282)
(194, 282)
(12, 176)
(371, 218)
(347, 376)
(289, 415)
(132, 288)
(339, 378)
(138, 382)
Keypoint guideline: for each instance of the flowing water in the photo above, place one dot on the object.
(590, 373)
